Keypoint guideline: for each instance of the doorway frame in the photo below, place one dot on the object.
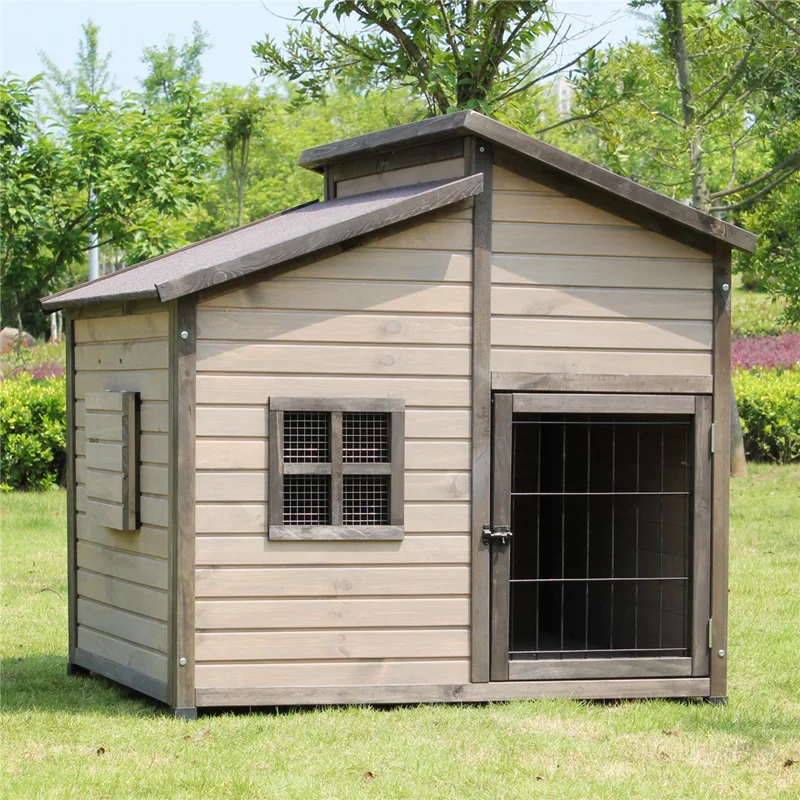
(699, 408)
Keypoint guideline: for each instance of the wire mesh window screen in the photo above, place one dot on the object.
(601, 513)
(365, 438)
(306, 437)
(365, 500)
(306, 499)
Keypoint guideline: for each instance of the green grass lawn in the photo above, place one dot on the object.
(85, 738)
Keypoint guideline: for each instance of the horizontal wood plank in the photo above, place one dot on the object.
(446, 235)
(121, 594)
(154, 325)
(107, 514)
(122, 652)
(331, 581)
(221, 389)
(120, 673)
(123, 624)
(601, 303)
(339, 644)
(602, 272)
(585, 240)
(233, 677)
(522, 670)
(154, 416)
(350, 613)
(104, 427)
(136, 354)
(313, 326)
(594, 382)
(550, 209)
(407, 176)
(550, 402)
(246, 518)
(232, 357)
(594, 334)
(605, 361)
(332, 295)
(147, 541)
(126, 566)
(257, 550)
(335, 533)
(508, 181)
(104, 402)
(153, 384)
(454, 693)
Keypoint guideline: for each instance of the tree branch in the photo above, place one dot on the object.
(787, 162)
(756, 195)
(735, 75)
(661, 114)
(775, 15)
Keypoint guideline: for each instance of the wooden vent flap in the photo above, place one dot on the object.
(112, 459)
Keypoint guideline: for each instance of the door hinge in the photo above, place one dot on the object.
(713, 436)
(499, 534)
(710, 627)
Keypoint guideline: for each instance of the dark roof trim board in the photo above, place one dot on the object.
(471, 123)
(267, 243)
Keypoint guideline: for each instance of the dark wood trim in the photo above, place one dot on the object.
(444, 150)
(459, 693)
(330, 184)
(626, 384)
(307, 469)
(554, 403)
(72, 535)
(603, 186)
(357, 404)
(336, 468)
(114, 308)
(501, 553)
(479, 161)
(701, 532)
(183, 357)
(434, 197)
(721, 471)
(121, 674)
(292, 533)
(397, 454)
(591, 668)
(275, 466)
(131, 439)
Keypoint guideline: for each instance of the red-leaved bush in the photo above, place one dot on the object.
(766, 351)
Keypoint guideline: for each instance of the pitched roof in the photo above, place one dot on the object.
(266, 243)
(601, 181)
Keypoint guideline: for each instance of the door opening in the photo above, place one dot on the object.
(600, 559)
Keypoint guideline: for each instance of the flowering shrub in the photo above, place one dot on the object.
(766, 352)
(769, 406)
(33, 416)
(41, 362)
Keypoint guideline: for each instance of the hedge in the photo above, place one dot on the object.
(32, 432)
(769, 406)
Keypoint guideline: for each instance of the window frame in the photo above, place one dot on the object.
(336, 468)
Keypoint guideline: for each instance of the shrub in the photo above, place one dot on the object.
(32, 432)
(43, 361)
(769, 406)
(766, 352)
(757, 314)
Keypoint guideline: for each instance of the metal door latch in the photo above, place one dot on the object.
(500, 534)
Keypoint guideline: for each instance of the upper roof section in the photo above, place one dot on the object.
(599, 183)
(266, 243)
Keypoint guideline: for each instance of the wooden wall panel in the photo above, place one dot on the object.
(577, 290)
(392, 319)
(408, 176)
(122, 604)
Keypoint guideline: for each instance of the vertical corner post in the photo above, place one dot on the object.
(71, 481)
(479, 159)
(182, 364)
(330, 183)
(721, 470)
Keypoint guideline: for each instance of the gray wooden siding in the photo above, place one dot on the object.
(391, 319)
(122, 575)
(407, 176)
(578, 290)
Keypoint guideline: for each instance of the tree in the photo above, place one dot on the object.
(172, 67)
(456, 54)
(90, 76)
(146, 168)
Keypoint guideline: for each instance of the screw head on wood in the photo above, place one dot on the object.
(184, 334)
(721, 654)
(183, 661)
(726, 287)
(482, 149)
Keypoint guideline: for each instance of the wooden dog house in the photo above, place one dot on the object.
(448, 435)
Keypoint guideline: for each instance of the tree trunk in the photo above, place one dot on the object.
(673, 14)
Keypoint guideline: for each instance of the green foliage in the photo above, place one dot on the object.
(769, 407)
(129, 172)
(757, 313)
(456, 54)
(32, 432)
(44, 360)
(170, 68)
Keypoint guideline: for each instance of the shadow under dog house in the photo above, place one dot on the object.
(457, 433)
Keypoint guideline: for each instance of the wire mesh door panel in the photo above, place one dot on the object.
(600, 565)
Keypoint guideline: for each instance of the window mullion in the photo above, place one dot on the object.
(336, 467)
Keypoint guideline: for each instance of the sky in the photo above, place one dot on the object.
(126, 26)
